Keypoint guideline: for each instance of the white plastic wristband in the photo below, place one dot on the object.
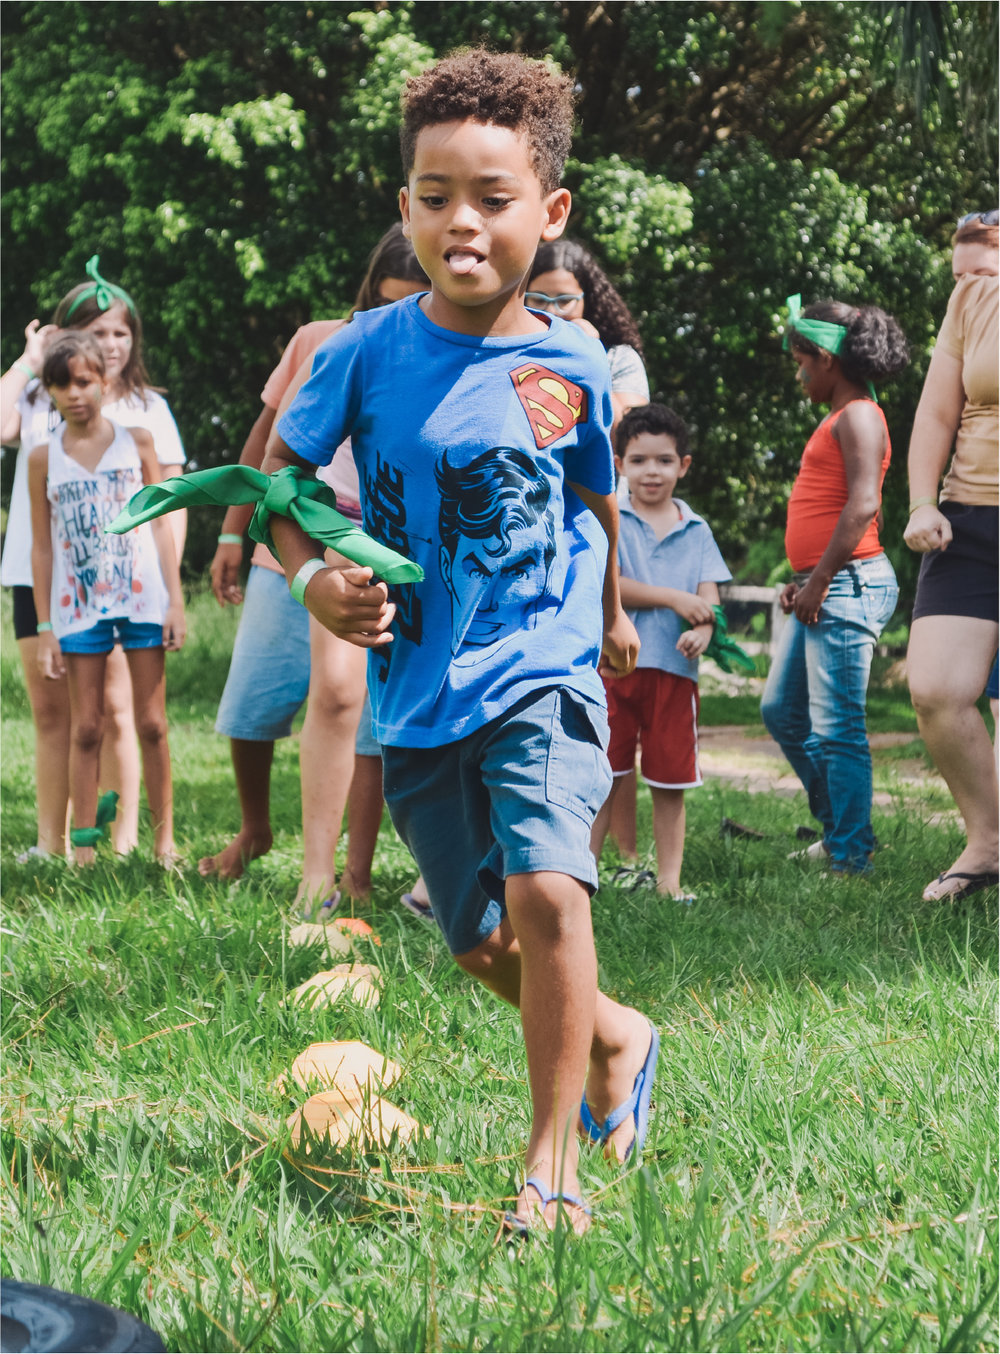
(297, 587)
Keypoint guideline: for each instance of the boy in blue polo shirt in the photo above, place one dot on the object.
(480, 432)
(670, 569)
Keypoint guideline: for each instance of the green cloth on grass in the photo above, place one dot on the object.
(107, 807)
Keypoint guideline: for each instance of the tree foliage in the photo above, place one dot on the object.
(233, 165)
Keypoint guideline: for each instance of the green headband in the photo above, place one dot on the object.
(106, 294)
(824, 333)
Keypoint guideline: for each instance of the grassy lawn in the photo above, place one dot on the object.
(821, 1167)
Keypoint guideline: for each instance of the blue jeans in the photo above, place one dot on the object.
(814, 705)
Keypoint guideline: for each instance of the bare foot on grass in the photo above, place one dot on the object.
(233, 859)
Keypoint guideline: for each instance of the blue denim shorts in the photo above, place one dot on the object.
(102, 637)
(366, 744)
(269, 670)
(517, 796)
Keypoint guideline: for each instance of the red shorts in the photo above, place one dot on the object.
(659, 711)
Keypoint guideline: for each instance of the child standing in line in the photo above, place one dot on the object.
(483, 453)
(670, 571)
(844, 590)
(92, 590)
(27, 417)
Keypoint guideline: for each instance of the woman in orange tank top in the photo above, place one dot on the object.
(845, 589)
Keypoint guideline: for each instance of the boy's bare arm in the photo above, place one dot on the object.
(345, 601)
(621, 643)
(691, 606)
(695, 641)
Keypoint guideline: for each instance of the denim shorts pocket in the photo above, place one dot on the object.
(577, 771)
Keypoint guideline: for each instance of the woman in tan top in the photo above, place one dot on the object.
(953, 638)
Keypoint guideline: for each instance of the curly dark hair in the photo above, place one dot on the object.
(602, 305)
(489, 87)
(875, 346)
(651, 418)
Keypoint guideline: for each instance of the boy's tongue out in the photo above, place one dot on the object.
(462, 262)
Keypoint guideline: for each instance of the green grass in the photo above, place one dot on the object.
(821, 1168)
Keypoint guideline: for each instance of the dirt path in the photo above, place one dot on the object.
(745, 756)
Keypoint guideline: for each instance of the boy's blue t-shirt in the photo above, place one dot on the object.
(464, 448)
(685, 557)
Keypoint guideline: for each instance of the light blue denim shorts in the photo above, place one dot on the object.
(269, 670)
(515, 797)
(366, 744)
(102, 637)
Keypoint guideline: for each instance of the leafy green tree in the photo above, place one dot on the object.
(234, 164)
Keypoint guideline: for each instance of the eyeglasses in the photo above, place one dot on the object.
(560, 304)
(988, 218)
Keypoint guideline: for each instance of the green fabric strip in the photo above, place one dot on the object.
(826, 335)
(105, 293)
(823, 333)
(107, 807)
(723, 650)
(290, 492)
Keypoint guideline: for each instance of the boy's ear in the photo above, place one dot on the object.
(685, 467)
(619, 464)
(404, 210)
(557, 206)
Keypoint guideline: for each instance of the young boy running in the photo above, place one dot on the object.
(480, 432)
(670, 570)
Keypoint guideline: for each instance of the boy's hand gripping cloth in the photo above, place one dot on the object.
(289, 493)
(725, 651)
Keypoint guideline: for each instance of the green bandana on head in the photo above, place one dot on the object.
(106, 294)
(824, 333)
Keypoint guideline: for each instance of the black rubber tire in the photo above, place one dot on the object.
(35, 1319)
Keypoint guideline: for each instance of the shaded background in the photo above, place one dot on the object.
(233, 164)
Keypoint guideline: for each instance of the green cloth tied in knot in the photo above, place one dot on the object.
(290, 492)
(106, 294)
(824, 333)
(107, 807)
(724, 650)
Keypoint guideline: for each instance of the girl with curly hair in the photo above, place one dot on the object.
(568, 281)
(844, 588)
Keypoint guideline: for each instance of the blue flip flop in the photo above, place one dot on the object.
(637, 1105)
(520, 1227)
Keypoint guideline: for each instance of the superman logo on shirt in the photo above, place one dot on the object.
(553, 404)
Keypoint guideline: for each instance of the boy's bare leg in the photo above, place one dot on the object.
(149, 694)
(50, 712)
(85, 675)
(557, 933)
(252, 759)
(119, 768)
(668, 834)
(364, 818)
(326, 755)
(622, 823)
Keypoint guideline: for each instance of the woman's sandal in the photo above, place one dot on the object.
(975, 882)
(515, 1226)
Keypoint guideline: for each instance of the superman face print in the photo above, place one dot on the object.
(497, 547)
